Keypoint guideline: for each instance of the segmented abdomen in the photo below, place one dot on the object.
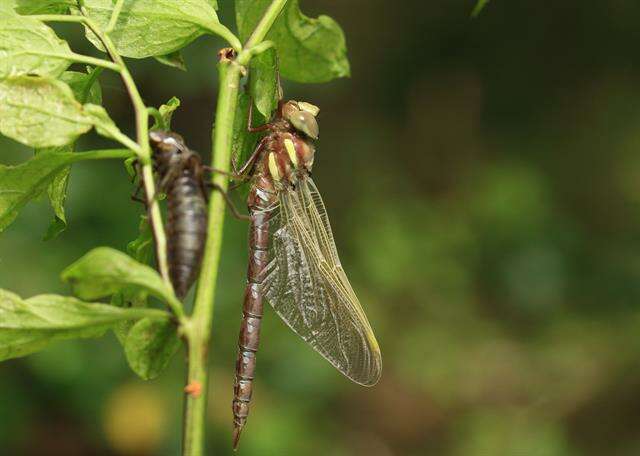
(252, 310)
(186, 231)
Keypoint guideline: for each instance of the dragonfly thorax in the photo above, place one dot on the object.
(288, 157)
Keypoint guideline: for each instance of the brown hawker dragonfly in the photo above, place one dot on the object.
(293, 261)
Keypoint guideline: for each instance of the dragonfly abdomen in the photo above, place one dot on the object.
(186, 231)
(252, 310)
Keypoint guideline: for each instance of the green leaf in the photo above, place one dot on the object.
(310, 50)
(263, 84)
(85, 88)
(150, 345)
(174, 60)
(141, 248)
(28, 325)
(105, 126)
(40, 112)
(30, 47)
(166, 112)
(22, 183)
(57, 192)
(105, 271)
(244, 141)
(147, 28)
(43, 6)
(479, 7)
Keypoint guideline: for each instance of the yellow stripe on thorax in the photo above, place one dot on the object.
(273, 167)
(291, 150)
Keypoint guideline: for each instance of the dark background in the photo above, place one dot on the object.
(483, 182)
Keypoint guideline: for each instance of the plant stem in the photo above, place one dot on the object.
(198, 332)
(103, 154)
(263, 27)
(144, 152)
(114, 16)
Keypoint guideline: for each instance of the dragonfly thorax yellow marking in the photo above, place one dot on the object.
(291, 150)
(273, 167)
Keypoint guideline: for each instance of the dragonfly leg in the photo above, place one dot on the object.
(136, 195)
(234, 210)
(250, 128)
(234, 175)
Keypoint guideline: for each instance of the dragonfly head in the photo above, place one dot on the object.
(302, 116)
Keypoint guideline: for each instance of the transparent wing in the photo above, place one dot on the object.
(308, 288)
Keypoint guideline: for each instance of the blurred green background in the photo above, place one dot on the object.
(483, 182)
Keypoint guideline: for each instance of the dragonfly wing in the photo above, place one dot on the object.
(307, 287)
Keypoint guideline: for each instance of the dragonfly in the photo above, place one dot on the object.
(293, 260)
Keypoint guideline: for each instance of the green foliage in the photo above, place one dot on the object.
(40, 112)
(150, 345)
(310, 50)
(22, 183)
(173, 59)
(44, 106)
(166, 112)
(243, 140)
(28, 325)
(479, 7)
(263, 83)
(85, 88)
(31, 47)
(147, 28)
(43, 6)
(105, 126)
(141, 248)
(105, 271)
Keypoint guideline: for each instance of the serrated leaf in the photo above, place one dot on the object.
(310, 50)
(174, 60)
(40, 112)
(27, 46)
(28, 325)
(263, 84)
(105, 271)
(150, 345)
(43, 6)
(147, 28)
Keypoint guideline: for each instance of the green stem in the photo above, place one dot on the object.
(114, 16)
(144, 152)
(103, 154)
(198, 331)
(154, 314)
(142, 129)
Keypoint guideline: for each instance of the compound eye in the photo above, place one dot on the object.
(305, 122)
